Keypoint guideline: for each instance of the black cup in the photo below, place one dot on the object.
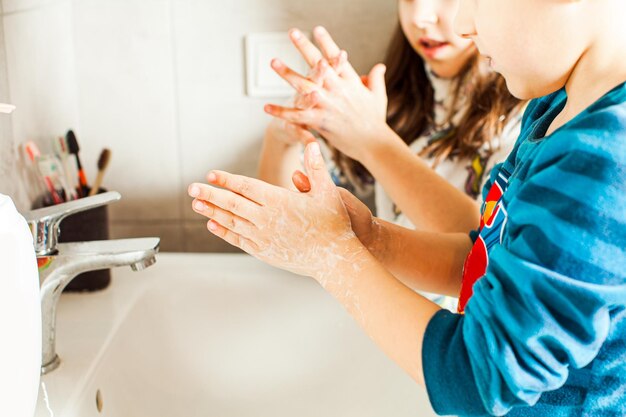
(89, 225)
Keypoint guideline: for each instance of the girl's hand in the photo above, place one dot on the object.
(305, 233)
(329, 51)
(289, 134)
(343, 110)
(292, 134)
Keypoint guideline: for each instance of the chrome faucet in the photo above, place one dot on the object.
(60, 263)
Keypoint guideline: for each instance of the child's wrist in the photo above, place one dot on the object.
(376, 142)
(375, 242)
(342, 261)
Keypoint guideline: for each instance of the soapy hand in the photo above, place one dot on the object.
(288, 133)
(292, 133)
(305, 233)
(363, 223)
(345, 111)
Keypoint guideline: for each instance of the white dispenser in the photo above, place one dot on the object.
(20, 315)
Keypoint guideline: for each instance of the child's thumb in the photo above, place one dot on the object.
(376, 80)
(301, 181)
(316, 170)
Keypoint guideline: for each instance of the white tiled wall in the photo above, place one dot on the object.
(162, 84)
(9, 168)
(126, 97)
(41, 72)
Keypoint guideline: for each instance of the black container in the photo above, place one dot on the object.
(92, 224)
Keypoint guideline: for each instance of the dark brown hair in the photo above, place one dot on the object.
(410, 111)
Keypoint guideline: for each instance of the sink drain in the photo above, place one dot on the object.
(99, 401)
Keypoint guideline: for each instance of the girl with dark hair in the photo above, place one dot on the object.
(442, 102)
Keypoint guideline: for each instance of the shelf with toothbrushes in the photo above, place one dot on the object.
(58, 176)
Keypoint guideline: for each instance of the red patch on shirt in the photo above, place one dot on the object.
(492, 222)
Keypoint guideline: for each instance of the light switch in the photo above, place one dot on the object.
(261, 79)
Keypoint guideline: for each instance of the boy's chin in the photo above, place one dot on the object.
(523, 90)
(532, 86)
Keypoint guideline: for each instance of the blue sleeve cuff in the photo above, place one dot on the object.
(447, 370)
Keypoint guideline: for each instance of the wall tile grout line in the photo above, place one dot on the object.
(177, 122)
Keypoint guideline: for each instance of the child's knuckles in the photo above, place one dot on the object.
(262, 245)
(250, 247)
(206, 194)
(208, 210)
(232, 224)
(244, 186)
(232, 205)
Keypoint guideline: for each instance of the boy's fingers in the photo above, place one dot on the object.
(233, 238)
(250, 188)
(226, 200)
(230, 221)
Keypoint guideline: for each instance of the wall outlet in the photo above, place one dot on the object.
(261, 48)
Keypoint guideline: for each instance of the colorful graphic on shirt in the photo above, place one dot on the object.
(492, 223)
(475, 174)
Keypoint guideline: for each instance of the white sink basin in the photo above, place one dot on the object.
(219, 335)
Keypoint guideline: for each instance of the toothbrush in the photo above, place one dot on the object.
(30, 175)
(58, 174)
(32, 152)
(103, 162)
(60, 148)
(50, 176)
(72, 144)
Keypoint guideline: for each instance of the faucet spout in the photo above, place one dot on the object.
(72, 259)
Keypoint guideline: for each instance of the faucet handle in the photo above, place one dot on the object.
(44, 222)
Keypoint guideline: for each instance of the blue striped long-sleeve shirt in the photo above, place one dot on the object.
(544, 328)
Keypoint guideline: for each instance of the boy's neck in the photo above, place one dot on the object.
(600, 69)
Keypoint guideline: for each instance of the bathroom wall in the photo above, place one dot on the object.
(10, 183)
(162, 84)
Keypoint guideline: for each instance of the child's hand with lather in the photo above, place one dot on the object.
(261, 219)
(348, 113)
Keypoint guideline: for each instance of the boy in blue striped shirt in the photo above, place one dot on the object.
(541, 328)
